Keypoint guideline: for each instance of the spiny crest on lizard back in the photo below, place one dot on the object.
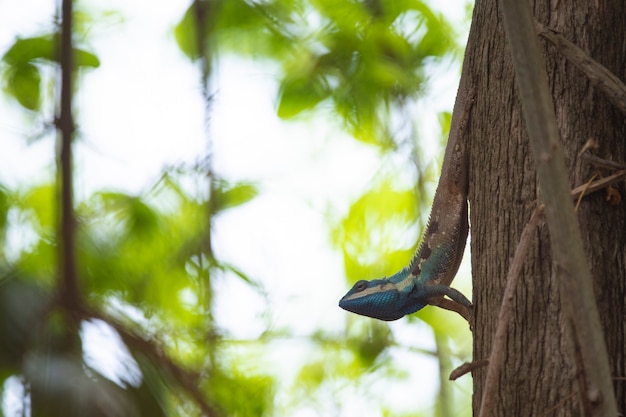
(424, 251)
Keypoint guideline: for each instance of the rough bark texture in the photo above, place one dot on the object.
(540, 376)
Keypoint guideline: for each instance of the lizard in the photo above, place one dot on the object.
(427, 278)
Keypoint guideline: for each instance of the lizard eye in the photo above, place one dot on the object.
(360, 286)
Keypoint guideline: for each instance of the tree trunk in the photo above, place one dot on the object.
(540, 375)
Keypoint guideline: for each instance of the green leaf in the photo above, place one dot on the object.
(312, 374)
(242, 275)
(22, 78)
(40, 200)
(186, 35)
(45, 48)
(132, 213)
(29, 49)
(5, 205)
(299, 94)
(255, 393)
(83, 58)
(228, 196)
(244, 27)
(142, 218)
(24, 83)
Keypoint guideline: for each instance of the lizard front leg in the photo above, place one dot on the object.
(463, 310)
(456, 302)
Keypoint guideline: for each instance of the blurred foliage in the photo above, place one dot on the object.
(146, 263)
(23, 61)
(373, 235)
(366, 58)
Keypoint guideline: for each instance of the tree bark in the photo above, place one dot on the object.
(541, 372)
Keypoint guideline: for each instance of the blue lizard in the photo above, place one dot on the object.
(427, 278)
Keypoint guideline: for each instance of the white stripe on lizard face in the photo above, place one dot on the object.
(389, 286)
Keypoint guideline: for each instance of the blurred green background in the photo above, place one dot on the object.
(238, 165)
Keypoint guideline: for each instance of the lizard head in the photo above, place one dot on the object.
(379, 299)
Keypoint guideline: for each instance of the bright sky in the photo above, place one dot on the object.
(142, 110)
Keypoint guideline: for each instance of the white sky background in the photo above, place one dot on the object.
(142, 110)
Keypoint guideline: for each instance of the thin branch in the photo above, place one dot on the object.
(586, 189)
(204, 12)
(68, 279)
(602, 163)
(70, 296)
(203, 18)
(188, 380)
(598, 74)
(466, 368)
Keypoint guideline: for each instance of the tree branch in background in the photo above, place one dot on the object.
(203, 10)
(189, 381)
(571, 266)
(69, 292)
